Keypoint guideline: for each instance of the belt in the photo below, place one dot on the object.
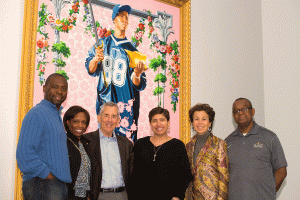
(119, 189)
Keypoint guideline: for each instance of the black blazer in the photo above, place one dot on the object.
(75, 160)
(126, 155)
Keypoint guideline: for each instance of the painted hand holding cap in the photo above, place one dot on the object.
(135, 57)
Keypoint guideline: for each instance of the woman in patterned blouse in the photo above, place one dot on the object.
(76, 120)
(208, 157)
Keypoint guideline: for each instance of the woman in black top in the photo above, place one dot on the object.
(161, 169)
(76, 121)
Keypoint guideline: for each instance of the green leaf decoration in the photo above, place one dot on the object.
(160, 77)
(158, 90)
(59, 62)
(175, 46)
(163, 64)
(62, 72)
(155, 63)
(61, 48)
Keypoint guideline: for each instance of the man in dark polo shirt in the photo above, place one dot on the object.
(257, 165)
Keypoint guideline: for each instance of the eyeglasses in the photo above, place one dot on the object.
(243, 110)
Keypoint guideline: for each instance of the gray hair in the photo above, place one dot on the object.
(110, 104)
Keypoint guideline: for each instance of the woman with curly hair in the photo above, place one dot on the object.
(207, 156)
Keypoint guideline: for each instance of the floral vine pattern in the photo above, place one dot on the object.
(174, 70)
(102, 32)
(137, 39)
(64, 25)
(42, 44)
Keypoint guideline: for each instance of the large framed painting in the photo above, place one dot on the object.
(59, 37)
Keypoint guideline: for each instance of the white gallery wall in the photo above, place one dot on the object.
(227, 60)
(251, 49)
(11, 21)
(281, 45)
(239, 48)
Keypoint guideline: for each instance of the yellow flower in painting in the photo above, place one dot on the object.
(58, 22)
(70, 27)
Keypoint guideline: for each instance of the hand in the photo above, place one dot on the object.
(99, 55)
(139, 68)
(50, 176)
(175, 198)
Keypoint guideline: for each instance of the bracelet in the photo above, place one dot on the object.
(138, 77)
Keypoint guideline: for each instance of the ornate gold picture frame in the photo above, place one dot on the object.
(28, 69)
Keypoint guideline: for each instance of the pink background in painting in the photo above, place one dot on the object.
(82, 87)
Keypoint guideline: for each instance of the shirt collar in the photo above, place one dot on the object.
(103, 136)
(119, 41)
(48, 103)
(253, 131)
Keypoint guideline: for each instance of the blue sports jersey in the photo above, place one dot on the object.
(121, 89)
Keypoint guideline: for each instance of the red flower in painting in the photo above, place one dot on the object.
(40, 43)
(141, 26)
(65, 27)
(151, 29)
(85, 1)
(176, 84)
(173, 81)
(101, 32)
(75, 8)
(108, 33)
(177, 67)
(172, 90)
(169, 49)
(175, 58)
(149, 19)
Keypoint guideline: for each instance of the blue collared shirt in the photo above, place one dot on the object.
(111, 162)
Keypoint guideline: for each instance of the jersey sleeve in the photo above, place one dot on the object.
(142, 84)
(90, 55)
(278, 158)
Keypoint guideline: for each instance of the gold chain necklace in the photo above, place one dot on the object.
(79, 151)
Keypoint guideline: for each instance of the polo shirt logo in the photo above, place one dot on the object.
(258, 145)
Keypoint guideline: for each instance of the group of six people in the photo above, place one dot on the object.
(59, 161)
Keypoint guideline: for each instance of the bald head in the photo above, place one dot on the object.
(56, 89)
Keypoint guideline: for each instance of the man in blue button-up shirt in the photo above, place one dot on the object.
(42, 153)
(111, 157)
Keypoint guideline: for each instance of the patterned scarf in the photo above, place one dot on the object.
(82, 183)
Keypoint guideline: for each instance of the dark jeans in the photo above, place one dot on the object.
(45, 189)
